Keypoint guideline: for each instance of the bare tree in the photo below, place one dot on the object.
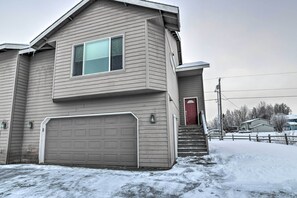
(263, 110)
(282, 108)
(214, 124)
(278, 121)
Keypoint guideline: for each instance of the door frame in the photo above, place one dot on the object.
(42, 138)
(185, 115)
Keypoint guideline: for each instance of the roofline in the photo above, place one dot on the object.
(59, 21)
(196, 67)
(142, 3)
(13, 46)
(27, 51)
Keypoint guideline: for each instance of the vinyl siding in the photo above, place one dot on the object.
(100, 20)
(172, 88)
(8, 61)
(16, 136)
(191, 86)
(156, 55)
(153, 137)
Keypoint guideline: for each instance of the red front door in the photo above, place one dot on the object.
(191, 111)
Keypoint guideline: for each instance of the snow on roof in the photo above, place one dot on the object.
(192, 66)
(291, 116)
(167, 16)
(13, 46)
(249, 121)
(292, 123)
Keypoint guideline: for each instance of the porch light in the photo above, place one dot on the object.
(153, 119)
(3, 125)
(30, 124)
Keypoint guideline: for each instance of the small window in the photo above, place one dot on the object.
(98, 56)
(78, 60)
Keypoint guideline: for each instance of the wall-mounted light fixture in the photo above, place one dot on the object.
(3, 125)
(30, 124)
(153, 118)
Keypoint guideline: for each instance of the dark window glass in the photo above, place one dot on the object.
(78, 60)
(116, 53)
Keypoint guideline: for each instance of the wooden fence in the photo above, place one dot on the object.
(281, 139)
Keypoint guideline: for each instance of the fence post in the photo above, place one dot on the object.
(269, 138)
(233, 137)
(250, 137)
(257, 137)
(286, 138)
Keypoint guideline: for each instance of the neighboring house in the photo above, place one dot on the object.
(291, 123)
(256, 125)
(105, 85)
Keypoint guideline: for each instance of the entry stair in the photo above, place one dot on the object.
(192, 141)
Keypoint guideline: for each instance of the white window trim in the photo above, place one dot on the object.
(43, 126)
(83, 67)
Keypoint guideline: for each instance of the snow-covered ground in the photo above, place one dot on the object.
(233, 169)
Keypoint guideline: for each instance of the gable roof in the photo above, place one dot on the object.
(170, 16)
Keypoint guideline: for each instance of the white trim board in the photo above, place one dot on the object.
(142, 3)
(47, 119)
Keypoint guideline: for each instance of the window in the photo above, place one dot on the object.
(98, 56)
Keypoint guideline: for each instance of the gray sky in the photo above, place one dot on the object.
(237, 37)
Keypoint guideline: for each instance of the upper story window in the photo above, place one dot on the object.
(99, 56)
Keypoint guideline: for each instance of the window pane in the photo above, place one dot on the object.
(97, 57)
(78, 60)
(117, 53)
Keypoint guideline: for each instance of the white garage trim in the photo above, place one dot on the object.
(47, 119)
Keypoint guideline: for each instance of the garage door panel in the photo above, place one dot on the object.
(95, 132)
(95, 141)
(110, 132)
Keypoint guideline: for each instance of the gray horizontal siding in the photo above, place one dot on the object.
(156, 56)
(172, 88)
(153, 137)
(8, 62)
(191, 86)
(16, 136)
(100, 20)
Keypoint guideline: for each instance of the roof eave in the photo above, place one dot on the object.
(13, 46)
(41, 38)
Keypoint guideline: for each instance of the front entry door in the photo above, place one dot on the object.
(191, 111)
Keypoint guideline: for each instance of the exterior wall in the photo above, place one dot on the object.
(39, 105)
(190, 86)
(8, 62)
(263, 128)
(100, 20)
(18, 115)
(156, 55)
(172, 89)
(260, 121)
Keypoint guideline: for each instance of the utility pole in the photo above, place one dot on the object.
(220, 112)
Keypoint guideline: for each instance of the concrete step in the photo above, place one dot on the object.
(190, 133)
(192, 137)
(192, 149)
(185, 142)
(192, 145)
(186, 154)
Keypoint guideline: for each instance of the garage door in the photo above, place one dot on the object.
(92, 141)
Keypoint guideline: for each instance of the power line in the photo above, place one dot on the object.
(256, 97)
(230, 101)
(253, 75)
(253, 90)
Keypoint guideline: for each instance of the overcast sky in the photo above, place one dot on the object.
(237, 37)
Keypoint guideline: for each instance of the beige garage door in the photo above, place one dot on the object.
(92, 141)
